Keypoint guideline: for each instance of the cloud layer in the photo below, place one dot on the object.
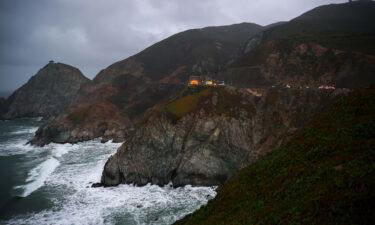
(92, 34)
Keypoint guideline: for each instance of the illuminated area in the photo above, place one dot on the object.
(208, 82)
(194, 82)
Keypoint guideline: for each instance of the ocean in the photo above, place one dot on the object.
(52, 185)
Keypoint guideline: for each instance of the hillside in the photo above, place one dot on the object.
(331, 44)
(165, 66)
(198, 51)
(345, 26)
(324, 175)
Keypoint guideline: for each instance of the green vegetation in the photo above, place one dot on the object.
(191, 99)
(78, 116)
(184, 105)
(325, 175)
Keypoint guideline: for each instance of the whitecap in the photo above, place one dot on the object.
(38, 176)
(31, 130)
(17, 147)
(76, 203)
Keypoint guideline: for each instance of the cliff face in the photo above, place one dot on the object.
(47, 93)
(205, 137)
(109, 112)
(323, 175)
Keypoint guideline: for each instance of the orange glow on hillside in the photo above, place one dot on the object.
(194, 82)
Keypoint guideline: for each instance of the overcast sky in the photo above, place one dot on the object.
(92, 34)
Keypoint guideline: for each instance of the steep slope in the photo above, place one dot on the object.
(47, 93)
(329, 45)
(345, 26)
(205, 136)
(128, 88)
(108, 112)
(198, 51)
(324, 175)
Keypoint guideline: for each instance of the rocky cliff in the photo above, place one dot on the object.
(109, 112)
(204, 137)
(324, 175)
(47, 93)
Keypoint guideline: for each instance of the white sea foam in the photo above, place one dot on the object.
(15, 139)
(38, 175)
(16, 147)
(76, 203)
(31, 130)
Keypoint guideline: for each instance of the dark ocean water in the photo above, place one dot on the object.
(5, 94)
(51, 185)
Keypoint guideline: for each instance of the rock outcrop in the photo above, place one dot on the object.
(109, 112)
(205, 137)
(47, 93)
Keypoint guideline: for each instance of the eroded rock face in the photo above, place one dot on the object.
(85, 123)
(46, 94)
(230, 129)
(108, 112)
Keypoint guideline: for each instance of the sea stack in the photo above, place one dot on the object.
(46, 94)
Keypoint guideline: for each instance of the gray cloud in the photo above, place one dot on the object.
(93, 34)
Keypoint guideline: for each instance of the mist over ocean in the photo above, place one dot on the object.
(51, 185)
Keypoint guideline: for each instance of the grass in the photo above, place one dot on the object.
(193, 99)
(325, 175)
(186, 104)
(77, 117)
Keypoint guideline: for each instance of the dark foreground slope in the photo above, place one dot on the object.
(325, 175)
(46, 94)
